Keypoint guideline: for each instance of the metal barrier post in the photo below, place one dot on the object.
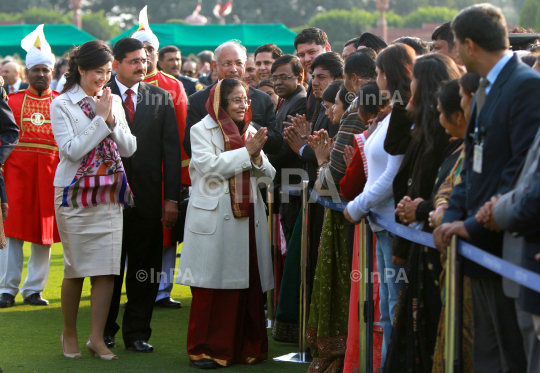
(450, 308)
(270, 294)
(370, 311)
(362, 297)
(303, 355)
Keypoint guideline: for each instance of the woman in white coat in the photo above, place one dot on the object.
(226, 252)
(91, 189)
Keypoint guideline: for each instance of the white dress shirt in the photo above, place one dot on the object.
(123, 89)
(15, 87)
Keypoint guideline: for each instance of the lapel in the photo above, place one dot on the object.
(115, 90)
(493, 97)
(143, 103)
(217, 136)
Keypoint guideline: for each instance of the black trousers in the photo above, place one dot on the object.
(142, 242)
(498, 344)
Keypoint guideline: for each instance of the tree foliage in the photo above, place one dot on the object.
(340, 25)
(429, 15)
(96, 24)
(529, 14)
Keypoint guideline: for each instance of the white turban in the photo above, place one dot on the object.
(144, 33)
(38, 50)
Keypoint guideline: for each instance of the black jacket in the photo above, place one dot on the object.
(9, 137)
(263, 116)
(157, 160)
(509, 121)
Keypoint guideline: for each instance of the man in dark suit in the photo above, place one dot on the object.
(151, 117)
(286, 75)
(9, 137)
(504, 121)
(11, 72)
(517, 213)
(230, 62)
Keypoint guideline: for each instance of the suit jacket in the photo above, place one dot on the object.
(9, 137)
(157, 159)
(287, 158)
(263, 116)
(509, 121)
(518, 213)
(216, 244)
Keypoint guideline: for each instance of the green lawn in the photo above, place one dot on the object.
(30, 336)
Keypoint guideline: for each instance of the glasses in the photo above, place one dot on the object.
(138, 61)
(238, 64)
(238, 101)
(282, 78)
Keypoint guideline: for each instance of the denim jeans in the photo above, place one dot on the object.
(389, 286)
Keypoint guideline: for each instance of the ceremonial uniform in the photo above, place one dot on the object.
(29, 174)
(176, 89)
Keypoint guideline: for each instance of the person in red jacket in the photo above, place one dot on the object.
(176, 89)
(29, 174)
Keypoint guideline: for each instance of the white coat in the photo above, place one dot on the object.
(215, 253)
(76, 135)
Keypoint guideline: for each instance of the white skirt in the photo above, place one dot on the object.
(91, 238)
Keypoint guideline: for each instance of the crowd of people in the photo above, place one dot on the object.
(121, 154)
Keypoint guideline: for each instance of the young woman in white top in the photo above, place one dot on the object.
(394, 65)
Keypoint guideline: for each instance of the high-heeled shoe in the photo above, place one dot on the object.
(76, 355)
(92, 352)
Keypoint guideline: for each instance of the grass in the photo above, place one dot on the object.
(30, 336)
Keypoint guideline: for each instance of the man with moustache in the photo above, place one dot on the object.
(154, 175)
(309, 43)
(176, 89)
(250, 77)
(170, 62)
(265, 56)
(29, 174)
(230, 62)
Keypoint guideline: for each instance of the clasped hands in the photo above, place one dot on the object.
(297, 132)
(255, 143)
(104, 106)
(322, 145)
(406, 209)
(485, 214)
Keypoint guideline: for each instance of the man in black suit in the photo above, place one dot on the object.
(230, 62)
(151, 117)
(9, 137)
(286, 75)
(504, 121)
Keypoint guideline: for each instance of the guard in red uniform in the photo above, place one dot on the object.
(29, 174)
(176, 89)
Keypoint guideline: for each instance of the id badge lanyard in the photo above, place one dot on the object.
(478, 148)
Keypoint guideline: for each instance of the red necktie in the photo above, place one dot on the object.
(280, 103)
(129, 105)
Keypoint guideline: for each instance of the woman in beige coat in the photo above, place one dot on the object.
(91, 189)
(226, 252)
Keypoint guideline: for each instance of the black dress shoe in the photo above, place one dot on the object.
(109, 341)
(204, 364)
(140, 346)
(168, 303)
(36, 300)
(6, 300)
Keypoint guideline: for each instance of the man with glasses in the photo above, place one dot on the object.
(151, 117)
(189, 69)
(230, 62)
(176, 89)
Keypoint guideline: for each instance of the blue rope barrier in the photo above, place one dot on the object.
(502, 267)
